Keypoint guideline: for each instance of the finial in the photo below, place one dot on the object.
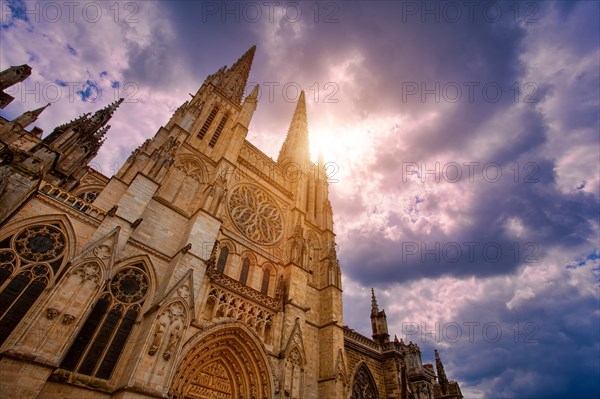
(253, 96)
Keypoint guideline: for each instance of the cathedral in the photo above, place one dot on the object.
(203, 269)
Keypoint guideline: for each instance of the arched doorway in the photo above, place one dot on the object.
(224, 362)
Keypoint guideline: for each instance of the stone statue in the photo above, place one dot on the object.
(173, 338)
(158, 336)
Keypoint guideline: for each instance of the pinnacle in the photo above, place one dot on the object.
(29, 117)
(374, 305)
(254, 93)
(443, 380)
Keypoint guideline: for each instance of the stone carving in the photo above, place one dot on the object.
(170, 319)
(136, 223)
(173, 339)
(293, 372)
(255, 214)
(87, 271)
(298, 247)
(158, 336)
(102, 251)
(183, 291)
(226, 364)
(51, 313)
(89, 196)
(212, 260)
(294, 357)
(190, 167)
(113, 211)
(186, 249)
(196, 108)
(164, 156)
(231, 284)
(68, 319)
(176, 311)
(280, 289)
(216, 193)
(341, 369)
(221, 303)
(266, 168)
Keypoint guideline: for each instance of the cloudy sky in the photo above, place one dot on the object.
(462, 137)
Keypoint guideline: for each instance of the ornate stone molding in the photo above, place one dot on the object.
(69, 209)
(71, 200)
(360, 340)
(224, 281)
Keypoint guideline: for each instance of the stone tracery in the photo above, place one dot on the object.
(40, 243)
(29, 262)
(363, 386)
(221, 303)
(255, 214)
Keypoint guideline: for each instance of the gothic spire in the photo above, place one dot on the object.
(102, 116)
(374, 306)
(442, 379)
(87, 128)
(295, 146)
(234, 79)
(27, 118)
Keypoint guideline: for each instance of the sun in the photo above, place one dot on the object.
(322, 144)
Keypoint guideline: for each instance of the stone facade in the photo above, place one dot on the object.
(202, 269)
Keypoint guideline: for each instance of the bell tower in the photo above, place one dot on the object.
(216, 117)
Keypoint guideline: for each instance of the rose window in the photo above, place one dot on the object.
(40, 243)
(129, 285)
(255, 214)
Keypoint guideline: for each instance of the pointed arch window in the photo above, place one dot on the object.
(217, 133)
(264, 287)
(222, 261)
(208, 122)
(245, 271)
(101, 340)
(29, 262)
(363, 386)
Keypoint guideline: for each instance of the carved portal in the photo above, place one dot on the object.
(225, 364)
